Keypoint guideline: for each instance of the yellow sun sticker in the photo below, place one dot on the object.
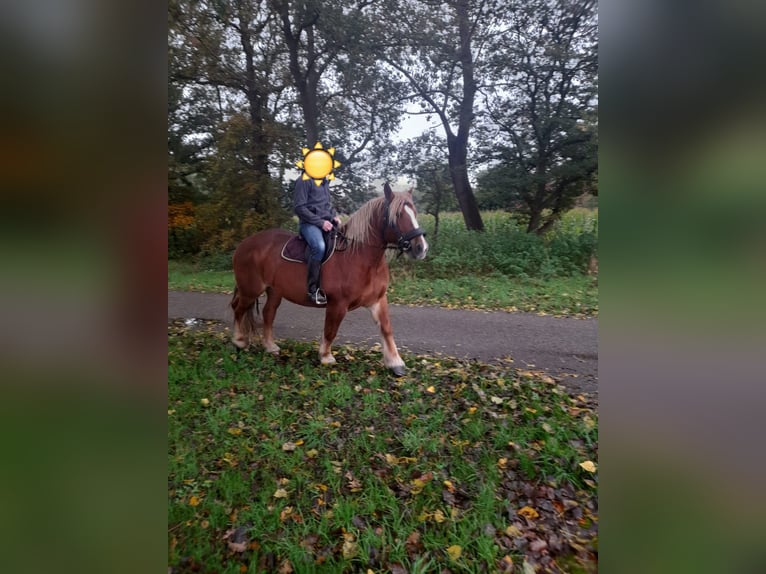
(318, 163)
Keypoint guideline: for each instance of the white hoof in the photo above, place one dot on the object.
(239, 342)
(273, 349)
(327, 360)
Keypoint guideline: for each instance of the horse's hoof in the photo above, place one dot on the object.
(399, 370)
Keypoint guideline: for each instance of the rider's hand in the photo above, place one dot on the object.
(336, 219)
(326, 225)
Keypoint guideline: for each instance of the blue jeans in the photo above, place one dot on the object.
(315, 238)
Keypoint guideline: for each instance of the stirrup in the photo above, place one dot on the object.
(318, 297)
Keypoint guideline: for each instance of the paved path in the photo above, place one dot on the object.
(565, 348)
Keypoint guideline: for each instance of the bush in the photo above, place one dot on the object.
(505, 247)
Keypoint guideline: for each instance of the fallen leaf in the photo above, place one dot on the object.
(528, 568)
(312, 453)
(431, 389)
(538, 545)
(204, 402)
(496, 400)
(280, 493)
(547, 428)
(194, 500)
(289, 446)
(391, 459)
(506, 564)
(501, 463)
(286, 567)
(588, 465)
(528, 512)
(439, 516)
(454, 552)
(234, 431)
(513, 531)
(350, 549)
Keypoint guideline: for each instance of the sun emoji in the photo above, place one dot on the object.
(318, 163)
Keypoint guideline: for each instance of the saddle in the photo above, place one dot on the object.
(297, 250)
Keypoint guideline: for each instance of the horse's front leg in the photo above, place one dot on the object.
(391, 358)
(332, 320)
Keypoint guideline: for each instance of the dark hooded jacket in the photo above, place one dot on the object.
(311, 202)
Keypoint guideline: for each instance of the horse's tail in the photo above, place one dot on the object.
(244, 320)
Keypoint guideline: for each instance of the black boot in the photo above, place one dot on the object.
(315, 294)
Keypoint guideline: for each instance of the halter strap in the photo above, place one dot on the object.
(404, 241)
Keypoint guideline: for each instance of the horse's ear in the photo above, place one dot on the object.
(388, 192)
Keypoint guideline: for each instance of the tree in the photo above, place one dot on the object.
(435, 54)
(344, 95)
(543, 105)
(423, 157)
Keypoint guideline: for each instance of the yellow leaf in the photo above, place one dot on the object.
(471, 410)
(449, 485)
(350, 549)
(280, 493)
(588, 465)
(312, 453)
(454, 552)
(234, 431)
(547, 428)
(502, 463)
(528, 512)
(298, 442)
(431, 389)
(194, 500)
(496, 400)
(513, 531)
(204, 402)
(391, 459)
(439, 516)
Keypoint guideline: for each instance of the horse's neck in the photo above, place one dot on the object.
(367, 255)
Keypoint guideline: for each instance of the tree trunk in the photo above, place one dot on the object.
(458, 170)
(458, 144)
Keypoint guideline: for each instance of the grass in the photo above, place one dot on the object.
(561, 296)
(502, 269)
(278, 464)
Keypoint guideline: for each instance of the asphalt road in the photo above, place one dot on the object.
(567, 349)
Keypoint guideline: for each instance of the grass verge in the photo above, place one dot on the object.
(277, 464)
(561, 296)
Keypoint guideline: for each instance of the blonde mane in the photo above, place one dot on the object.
(365, 225)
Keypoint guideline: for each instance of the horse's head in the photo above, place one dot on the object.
(402, 226)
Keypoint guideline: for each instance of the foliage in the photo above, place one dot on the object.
(542, 110)
(283, 465)
(506, 248)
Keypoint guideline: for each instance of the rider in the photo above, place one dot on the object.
(312, 205)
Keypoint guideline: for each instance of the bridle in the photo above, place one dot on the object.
(404, 240)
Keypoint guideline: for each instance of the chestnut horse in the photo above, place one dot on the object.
(355, 276)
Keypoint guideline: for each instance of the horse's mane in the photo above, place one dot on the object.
(367, 221)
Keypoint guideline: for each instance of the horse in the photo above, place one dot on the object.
(355, 276)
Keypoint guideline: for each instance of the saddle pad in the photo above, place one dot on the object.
(295, 248)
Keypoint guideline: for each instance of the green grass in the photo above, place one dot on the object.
(187, 276)
(345, 468)
(502, 269)
(562, 296)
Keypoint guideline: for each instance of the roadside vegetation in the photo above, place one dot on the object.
(279, 464)
(503, 268)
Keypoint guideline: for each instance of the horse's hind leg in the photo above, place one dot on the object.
(244, 320)
(273, 299)
(332, 320)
